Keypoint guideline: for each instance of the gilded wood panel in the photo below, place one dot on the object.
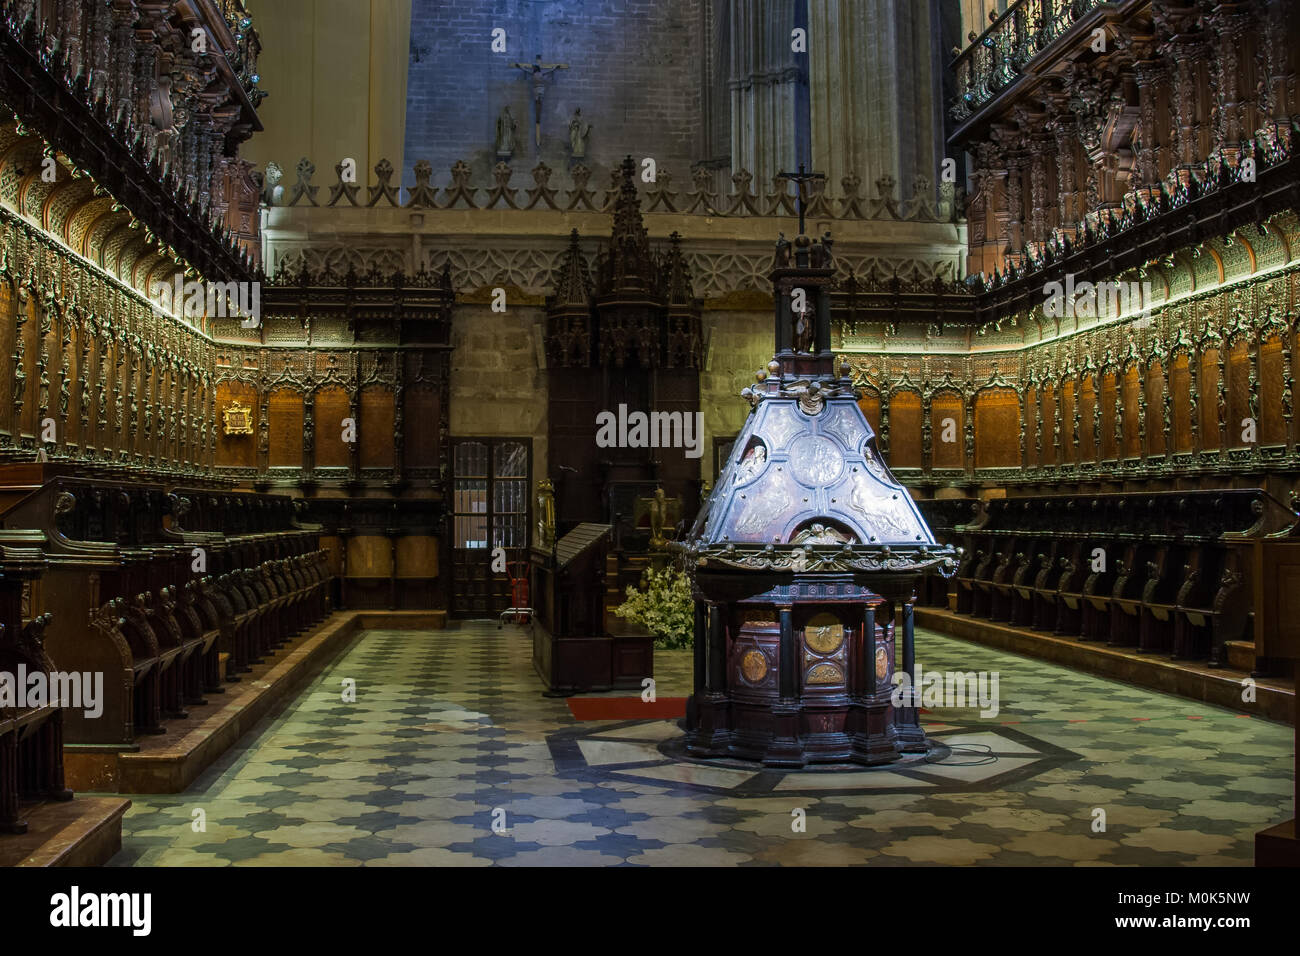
(870, 405)
(8, 322)
(1088, 419)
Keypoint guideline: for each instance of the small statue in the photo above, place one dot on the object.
(506, 128)
(578, 136)
(545, 514)
(803, 330)
(658, 519)
(272, 191)
(782, 258)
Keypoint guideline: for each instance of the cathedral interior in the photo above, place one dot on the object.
(584, 433)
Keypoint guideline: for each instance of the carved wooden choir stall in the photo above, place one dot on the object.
(805, 556)
(31, 731)
(153, 587)
(1166, 572)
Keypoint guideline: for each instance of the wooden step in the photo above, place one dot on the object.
(1275, 697)
(83, 831)
(1241, 655)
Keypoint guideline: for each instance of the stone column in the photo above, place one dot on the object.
(763, 79)
(874, 72)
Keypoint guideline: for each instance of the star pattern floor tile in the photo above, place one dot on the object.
(451, 756)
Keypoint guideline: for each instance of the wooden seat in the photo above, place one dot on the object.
(31, 733)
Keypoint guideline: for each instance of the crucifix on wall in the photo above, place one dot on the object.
(539, 72)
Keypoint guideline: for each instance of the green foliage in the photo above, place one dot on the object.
(663, 606)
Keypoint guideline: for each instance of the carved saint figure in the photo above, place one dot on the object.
(545, 513)
(578, 136)
(506, 127)
(803, 330)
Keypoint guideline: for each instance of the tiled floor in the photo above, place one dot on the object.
(450, 741)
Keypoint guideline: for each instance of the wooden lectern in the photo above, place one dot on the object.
(572, 649)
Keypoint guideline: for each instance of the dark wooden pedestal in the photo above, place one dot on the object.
(797, 670)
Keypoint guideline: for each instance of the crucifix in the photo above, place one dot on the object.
(800, 178)
(539, 71)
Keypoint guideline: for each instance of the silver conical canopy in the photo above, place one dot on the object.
(806, 489)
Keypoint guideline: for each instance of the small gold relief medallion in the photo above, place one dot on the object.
(753, 665)
(824, 639)
(882, 663)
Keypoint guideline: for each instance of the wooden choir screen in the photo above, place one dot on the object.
(947, 430)
(1087, 419)
(870, 405)
(376, 427)
(332, 406)
(1105, 417)
(1207, 392)
(1047, 426)
(420, 423)
(1180, 391)
(997, 428)
(1130, 399)
(905, 430)
(1272, 423)
(1239, 385)
(285, 431)
(236, 451)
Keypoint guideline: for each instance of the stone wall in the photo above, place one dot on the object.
(497, 388)
(634, 71)
(740, 343)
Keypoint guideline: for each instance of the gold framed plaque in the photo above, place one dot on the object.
(237, 419)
